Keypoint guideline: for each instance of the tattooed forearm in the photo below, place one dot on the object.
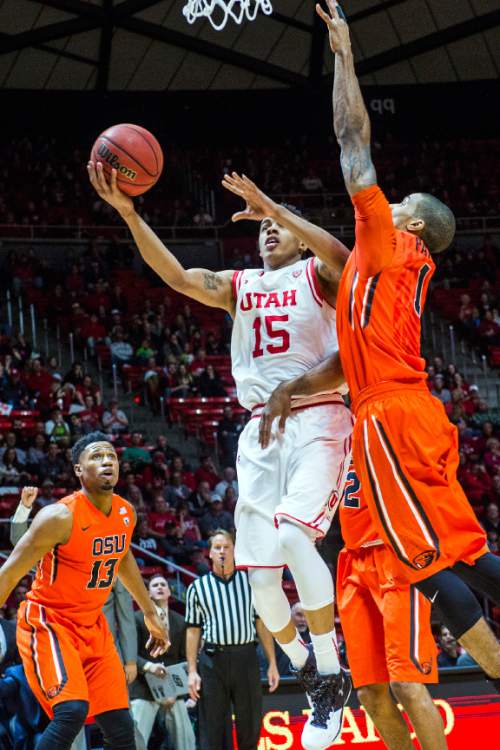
(357, 165)
(211, 281)
(352, 126)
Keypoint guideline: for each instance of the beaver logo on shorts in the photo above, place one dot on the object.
(426, 667)
(53, 692)
(424, 559)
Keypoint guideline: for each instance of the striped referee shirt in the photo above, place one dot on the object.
(222, 608)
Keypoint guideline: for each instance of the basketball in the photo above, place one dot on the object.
(135, 154)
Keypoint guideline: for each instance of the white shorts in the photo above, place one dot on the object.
(299, 477)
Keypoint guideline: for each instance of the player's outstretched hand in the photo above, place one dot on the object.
(338, 30)
(28, 496)
(279, 405)
(158, 641)
(108, 190)
(258, 204)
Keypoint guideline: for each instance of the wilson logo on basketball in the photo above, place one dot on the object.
(114, 162)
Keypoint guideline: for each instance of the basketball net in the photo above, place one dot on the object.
(219, 12)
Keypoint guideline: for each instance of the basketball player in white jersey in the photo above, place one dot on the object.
(291, 484)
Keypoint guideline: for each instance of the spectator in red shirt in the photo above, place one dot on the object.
(187, 524)
(91, 414)
(92, 331)
(199, 363)
(477, 483)
(187, 476)
(489, 331)
(160, 516)
(207, 472)
(492, 456)
(39, 381)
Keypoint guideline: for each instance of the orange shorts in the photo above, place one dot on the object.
(387, 628)
(64, 661)
(405, 452)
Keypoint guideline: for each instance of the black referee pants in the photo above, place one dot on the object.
(230, 682)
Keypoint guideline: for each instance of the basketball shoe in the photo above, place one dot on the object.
(327, 696)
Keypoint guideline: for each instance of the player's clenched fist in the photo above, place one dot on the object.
(28, 496)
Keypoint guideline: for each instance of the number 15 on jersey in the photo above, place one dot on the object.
(271, 337)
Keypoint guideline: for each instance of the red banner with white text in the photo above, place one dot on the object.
(469, 721)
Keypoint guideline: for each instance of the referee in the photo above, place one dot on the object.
(219, 609)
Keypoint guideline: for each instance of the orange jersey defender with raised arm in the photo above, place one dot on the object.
(404, 447)
(395, 618)
(67, 649)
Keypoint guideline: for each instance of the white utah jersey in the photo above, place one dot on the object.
(282, 327)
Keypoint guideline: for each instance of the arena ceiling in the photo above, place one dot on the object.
(147, 45)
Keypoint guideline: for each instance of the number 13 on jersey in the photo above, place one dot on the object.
(270, 335)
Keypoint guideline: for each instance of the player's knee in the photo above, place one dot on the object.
(118, 728)
(291, 538)
(373, 698)
(264, 581)
(71, 713)
(410, 694)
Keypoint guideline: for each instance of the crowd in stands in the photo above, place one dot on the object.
(44, 181)
(174, 356)
(467, 292)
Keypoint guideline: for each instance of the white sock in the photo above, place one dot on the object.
(296, 651)
(326, 652)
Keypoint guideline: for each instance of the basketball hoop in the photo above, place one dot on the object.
(219, 12)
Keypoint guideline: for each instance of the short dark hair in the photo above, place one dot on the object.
(84, 442)
(440, 224)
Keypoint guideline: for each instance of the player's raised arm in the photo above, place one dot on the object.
(375, 233)
(350, 117)
(331, 253)
(210, 288)
(50, 527)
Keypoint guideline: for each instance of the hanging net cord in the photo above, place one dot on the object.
(219, 12)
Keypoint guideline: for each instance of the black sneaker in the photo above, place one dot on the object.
(328, 698)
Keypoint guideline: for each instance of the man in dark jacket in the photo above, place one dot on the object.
(143, 705)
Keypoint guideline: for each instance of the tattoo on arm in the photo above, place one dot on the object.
(357, 165)
(211, 281)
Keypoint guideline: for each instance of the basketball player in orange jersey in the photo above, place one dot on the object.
(404, 448)
(386, 624)
(81, 544)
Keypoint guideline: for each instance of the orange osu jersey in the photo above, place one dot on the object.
(76, 578)
(356, 524)
(378, 314)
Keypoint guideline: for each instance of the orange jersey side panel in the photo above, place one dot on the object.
(75, 578)
(356, 525)
(378, 317)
